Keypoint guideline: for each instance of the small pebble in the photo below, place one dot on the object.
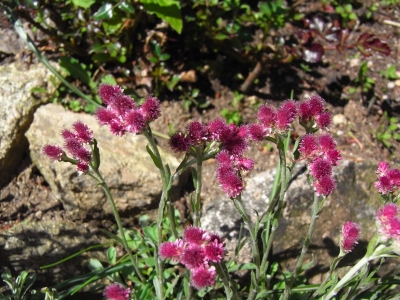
(339, 119)
(390, 85)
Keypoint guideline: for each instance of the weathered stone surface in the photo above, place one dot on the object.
(10, 41)
(30, 245)
(17, 105)
(126, 166)
(354, 199)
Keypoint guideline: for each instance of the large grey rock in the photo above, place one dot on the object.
(125, 165)
(17, 105)
(354, 199)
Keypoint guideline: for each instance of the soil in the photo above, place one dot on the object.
(357, 117)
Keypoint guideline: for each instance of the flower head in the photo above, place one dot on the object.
(83, 132)
(172, 250)
(179, 143)
(286, 114)
(54, 152)
(267, 115)
(151, 108)
(389, 222)
(350, 235)
(195, 235)
(116, 292)
(193, 257)
(107, 92)
(203, 277)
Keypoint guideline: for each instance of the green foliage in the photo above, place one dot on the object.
(390, 73)
(363, 83)
(233, 116)
(389, 132)
(346, 12)
(19, 287)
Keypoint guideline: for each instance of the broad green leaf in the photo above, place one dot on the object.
(105, 12)
(83, 3)
(167, 10)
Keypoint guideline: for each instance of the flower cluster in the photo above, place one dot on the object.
(122, 114)
(312, 113)
(75, 142)
(321, 155)
(350, 234)
(234, 143)
(388, 179)
(389, 221)
(116, 292)
(196, 250)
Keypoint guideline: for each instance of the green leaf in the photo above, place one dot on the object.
(105, 12)
(167, 10)
(95, 265)
(83, 3)
(156, 161)
(75, 69)
(126, 7)
(112, 255)
(109, 79)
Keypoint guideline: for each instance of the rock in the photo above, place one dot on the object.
(126, 166)
(354, 199)
(18, 104)
(30, 245)
(10, 41)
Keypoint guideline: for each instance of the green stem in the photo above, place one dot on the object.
(378, 253)
(306, 244)
(103, 184)
(197, 204)
(229, 285)
(253, 240)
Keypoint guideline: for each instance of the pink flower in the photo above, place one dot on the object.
(267, 115)
(73, 145)
(214, 251)
(223, 157)
(116, 292)
(197, 250)
(135, 121)
(178, 142)
(54, 152)
(197, 133)
(83, 132)
(203, 277)
(308, 146)
(383, 168)
(151, 108)
(107, 92)
(350, 235)
(232, 141)
(195, 235)
(326, 142)
(258, 132)
(244, 163)
(286, 114)
(82, 167)
(388, 179)
(388, 221)
(324, 185)
(320, 168)
(193, 257)
(324, 120)
(122, 113)
(305, 113)
(316, 105)
(216, 128)
(172, 250)
(231, 184)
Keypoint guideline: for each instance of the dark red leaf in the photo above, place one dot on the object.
(313, 53)
(367, 43)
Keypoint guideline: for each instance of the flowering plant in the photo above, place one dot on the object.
(172, 262)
